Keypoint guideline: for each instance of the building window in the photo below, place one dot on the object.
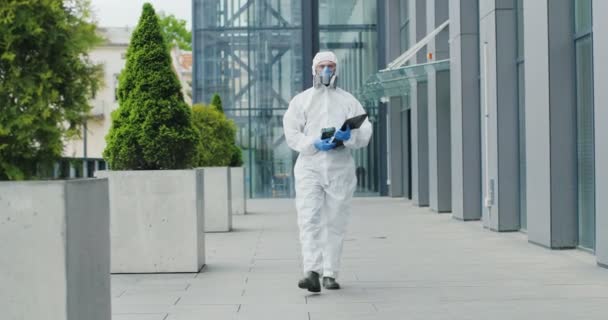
(523, 216)
(348, 28)
(250, 52)
(404, 25)
(583, 46)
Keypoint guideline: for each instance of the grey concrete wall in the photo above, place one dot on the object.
(419, 111)
(550, 123)
(55, 250)
(420, 146)
(440, 177)
(218, 204)
(499, 123)
(465, 110)
(600, 52)
(88, 249)
(237, 185)
(152, 213)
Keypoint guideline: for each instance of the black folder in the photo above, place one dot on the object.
(354, 122)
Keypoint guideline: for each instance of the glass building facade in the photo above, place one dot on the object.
(583, 47)
(257, 55)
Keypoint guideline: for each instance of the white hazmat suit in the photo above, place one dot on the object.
(324, 180)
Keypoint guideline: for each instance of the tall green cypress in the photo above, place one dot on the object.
(152, 128)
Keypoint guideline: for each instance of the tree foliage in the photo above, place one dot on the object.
(236, 159)
(152, 129)
(217, 133)
(46, 80)
(217, 102)
(175, 32)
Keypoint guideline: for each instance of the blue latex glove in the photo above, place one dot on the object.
(343, 135)
(324, 144)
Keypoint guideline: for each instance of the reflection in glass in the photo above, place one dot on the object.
(523, 215)
(347, 12)
(404, 29)
(582, 16)
(585, 142)
(357, 57)
(250, 52)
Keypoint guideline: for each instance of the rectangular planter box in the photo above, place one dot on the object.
(237, 185)
(157, 220)
(218, 206)
(55, 250)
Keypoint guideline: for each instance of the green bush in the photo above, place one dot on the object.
(152, 129)
(217, 133)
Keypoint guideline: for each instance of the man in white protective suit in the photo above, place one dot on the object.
(325, 170)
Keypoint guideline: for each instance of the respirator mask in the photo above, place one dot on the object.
(326, 77)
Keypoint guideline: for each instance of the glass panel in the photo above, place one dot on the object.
(520, 30)
(347, 12)
(523, 216)
(585, 140)
(404, 37)
(271, 159)
(250, 52)
(357, 56)
(582, 16)
(403, 11)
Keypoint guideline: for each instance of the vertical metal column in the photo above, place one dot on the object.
(419, 111)
(465, 109)
(550, 123)
(440, 176)
(500, 122)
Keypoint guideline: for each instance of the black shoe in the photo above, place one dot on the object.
(310, 282)
(330, 283)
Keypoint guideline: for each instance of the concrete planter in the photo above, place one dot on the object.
(157, 220)
(55, 250)
(237, 185)
(218, 206)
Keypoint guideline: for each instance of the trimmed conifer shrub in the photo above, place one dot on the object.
(152, 129)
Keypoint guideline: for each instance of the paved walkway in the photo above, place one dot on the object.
(400, 262)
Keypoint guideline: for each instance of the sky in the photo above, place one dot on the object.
(121, 13)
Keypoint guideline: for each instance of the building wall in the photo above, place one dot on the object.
(600, 52)
(519, 120)
(440, 176)
(499, 123)
(112, 58)
(550, 123)
(465, 109)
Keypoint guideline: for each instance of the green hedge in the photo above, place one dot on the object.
(216, 143)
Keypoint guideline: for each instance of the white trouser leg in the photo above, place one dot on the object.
(337, 213)
(309, 200)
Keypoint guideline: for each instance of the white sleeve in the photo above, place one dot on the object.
(359, 138)
(293, 127)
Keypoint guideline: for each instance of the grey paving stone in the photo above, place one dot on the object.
(161, 316)
(399, 262)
